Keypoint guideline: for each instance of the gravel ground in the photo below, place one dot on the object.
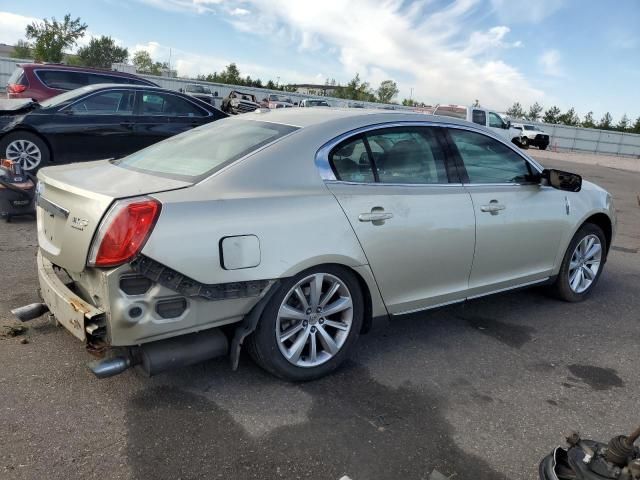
(482, 390)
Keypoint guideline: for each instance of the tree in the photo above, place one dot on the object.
(356, 89)
(52, 37)
(636, 126)
(588, 121)
(102, 52)
(551, 115)
(21, 49)
(623, 124)
(569, 117)
(408, 102)
(534, 112)
(231, 75)
(270, 85)
(515, 111)
(142, 61)
(387, 90)
(605, 122)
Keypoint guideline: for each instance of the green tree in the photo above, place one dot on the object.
(270, 85)
(231, 75)
(21, 49)
(605, 122)
(515, 111)
(356, 89)
(636, 126)
(588, 121)
(387, 90)
(101, 53)
(408, 102)
(569, 117)
(534, 112)
(623, 124)
(51, 38)
(142, 61)
(551, 115)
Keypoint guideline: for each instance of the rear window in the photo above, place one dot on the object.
(62, 79)
(194, 155)
(18, 78)
(451, 111)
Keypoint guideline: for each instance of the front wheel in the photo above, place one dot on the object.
(524, 142)
(582, 264)
(542, 147)
(310, 324)
(25, 148)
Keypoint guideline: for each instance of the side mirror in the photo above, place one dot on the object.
(507, 125)
(571, 182)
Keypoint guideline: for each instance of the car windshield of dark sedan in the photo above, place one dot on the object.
(196, 154)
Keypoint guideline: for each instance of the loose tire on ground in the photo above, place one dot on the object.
(266, 345)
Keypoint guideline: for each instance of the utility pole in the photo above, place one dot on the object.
(411, 94)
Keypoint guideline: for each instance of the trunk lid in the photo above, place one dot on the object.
(72, 199)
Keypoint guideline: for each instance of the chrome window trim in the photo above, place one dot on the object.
(107, 74)
(326, 172)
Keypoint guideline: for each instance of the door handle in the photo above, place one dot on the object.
(493, 208)
(377, 216)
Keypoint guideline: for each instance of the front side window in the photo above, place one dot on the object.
(479, 117)
(195, 154)
(409, 155)
(495, 121)
(116, 102)
(168, 105)
(487, 160)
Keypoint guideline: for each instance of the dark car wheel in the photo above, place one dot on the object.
(524, 142)
(542, 147)
(25, 148)
(310, 324)
(582, 264)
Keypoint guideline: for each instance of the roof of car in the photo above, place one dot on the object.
(61, 66)
(306, 117)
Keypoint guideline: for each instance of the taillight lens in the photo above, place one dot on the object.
(16, 88)
(124, 231)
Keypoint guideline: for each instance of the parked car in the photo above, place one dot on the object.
(40, 81)
(297, 228)
(279, 101)
(238, 102)
(314, 102)
(481, 116)
(201, 92)
(97, 121)
(531, 135)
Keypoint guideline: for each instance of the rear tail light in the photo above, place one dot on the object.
(124, 231)
(16, 88)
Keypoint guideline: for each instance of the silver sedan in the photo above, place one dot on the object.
(289, 231)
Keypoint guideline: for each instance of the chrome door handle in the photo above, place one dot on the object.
(493, 208)
(374, 216)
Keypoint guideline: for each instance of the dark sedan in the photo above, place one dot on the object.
(95, 122)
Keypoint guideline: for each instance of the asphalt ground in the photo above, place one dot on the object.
(476, 391)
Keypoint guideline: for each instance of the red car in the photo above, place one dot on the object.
(41, 80)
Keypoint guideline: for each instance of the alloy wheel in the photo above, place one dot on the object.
(585, 263)
(314, 320)
(24, 152)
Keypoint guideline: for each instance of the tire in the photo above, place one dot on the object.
(37, 153)
(563, 287)
(542, 147)
(524, 142)
(310, 328)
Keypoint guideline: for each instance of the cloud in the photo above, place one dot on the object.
(525, 11)
(12, 27)
(549, 61)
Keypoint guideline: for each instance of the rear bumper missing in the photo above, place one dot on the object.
(71, 311)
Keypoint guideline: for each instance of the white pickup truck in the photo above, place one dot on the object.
(484, 117)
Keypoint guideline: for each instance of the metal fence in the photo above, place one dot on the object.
(562, 137)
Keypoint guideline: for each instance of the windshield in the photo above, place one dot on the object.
(198, 89)
(196, 154)
(65, 97)
(530, 127)
(317, 103)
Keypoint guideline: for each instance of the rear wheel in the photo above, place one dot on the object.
(542, 147)
(524, 142)
(309, 326)
(582, 264)
(25, 148)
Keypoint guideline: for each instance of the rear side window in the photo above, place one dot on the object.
(479, 117)
(170, 105)
(196, 154)
(396, 155)
(487, 160)
(451, 111)
(62, 80)
(94, 78)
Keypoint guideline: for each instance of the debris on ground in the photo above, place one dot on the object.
(24, 341)
(10, 331)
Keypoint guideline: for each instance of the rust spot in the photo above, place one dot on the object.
(79, 306)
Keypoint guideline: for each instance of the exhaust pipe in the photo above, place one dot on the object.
(29, 312)
(156, 357)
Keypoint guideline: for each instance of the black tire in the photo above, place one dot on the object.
(45, 153)
(524, 142)
(561, 287)
(542, 147)
(263, 346)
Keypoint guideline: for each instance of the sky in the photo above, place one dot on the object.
(570, 53)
